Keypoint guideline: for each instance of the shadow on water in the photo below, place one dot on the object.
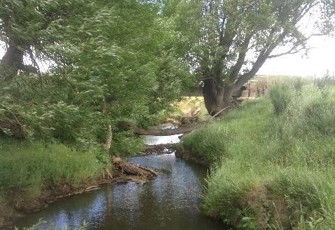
(171, 201)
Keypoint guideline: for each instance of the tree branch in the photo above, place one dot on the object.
(293, 50)
(241, 57)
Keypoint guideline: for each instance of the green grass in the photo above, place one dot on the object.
(229, 137)
(277, 163)
(28, 167)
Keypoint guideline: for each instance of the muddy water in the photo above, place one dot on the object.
(170, 202)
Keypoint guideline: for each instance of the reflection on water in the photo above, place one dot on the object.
(171, 201)
(157, 140)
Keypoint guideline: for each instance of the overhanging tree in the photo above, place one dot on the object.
(112, 60)
(237, 37)
(24, 32)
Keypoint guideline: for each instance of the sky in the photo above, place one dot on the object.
(318, 61)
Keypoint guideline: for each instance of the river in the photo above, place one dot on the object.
(170, 201)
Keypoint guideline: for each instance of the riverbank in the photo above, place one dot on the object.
(170, 201)
(34, 175)
(272, 161)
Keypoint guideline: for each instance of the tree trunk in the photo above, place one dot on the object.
(12, 61)
(216, 97)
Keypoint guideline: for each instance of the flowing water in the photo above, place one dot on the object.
(170, 201)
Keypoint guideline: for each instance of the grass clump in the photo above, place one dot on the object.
(277, 165)
(204, 145)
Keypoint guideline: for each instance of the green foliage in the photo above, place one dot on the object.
(126, 144)
(50, 111)
(233, 39)
(132, 61)
(280, 167)
(105, 62)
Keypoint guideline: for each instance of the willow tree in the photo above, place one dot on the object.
(237, 37)
(24, 32)
(111, 60)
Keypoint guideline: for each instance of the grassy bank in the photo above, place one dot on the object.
(31, 171)
(273, 160)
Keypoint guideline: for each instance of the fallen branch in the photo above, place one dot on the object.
(126, 168)
(218, 113)
(148, 170)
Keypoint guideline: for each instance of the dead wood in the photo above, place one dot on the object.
(148, 170)
(126, 168)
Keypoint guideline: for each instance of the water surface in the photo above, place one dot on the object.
(169, 202)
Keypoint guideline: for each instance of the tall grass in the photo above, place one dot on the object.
(277, 164)
(217, 140)
(27, 167)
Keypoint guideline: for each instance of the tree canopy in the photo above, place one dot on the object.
(237, 37)
(106, 61)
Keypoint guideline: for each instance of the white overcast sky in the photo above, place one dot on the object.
(318, 61)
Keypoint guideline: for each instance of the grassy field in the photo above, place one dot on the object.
(273, 160)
